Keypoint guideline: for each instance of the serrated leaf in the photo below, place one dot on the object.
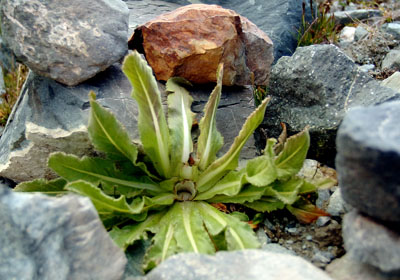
(286, 191)
(229, 161)
(129, 234)
(180, 119)
(95, 171)
(265, 204)
(210, 140)
(230, 185)
(106, 205)
(290, 160)
(152, 124)
(108, 135)
(52, 187)
(248, 194)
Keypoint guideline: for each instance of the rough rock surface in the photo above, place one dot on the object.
(392, 60)
(393, 81)
(316, 87)
(279, 19)
(2, 86)
(237, 265)
(346, 17)
(51, 117)
(347, 269)
(370, 242)
(68, 43)
(191, 41)
(368, 160)
(54, 238)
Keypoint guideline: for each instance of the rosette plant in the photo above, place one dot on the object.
(164, 187)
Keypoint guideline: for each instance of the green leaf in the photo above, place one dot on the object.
(238, 234)
(210, 140)
(180, 119)
(96, 171)
(286, 191)
(230, 185)
(53, 187)
(190, 233)
(265, 204)
(307, 187)
(229, 161)
(129, 234)
(108, 135)
(151, 123)
(248, 194)
(290, 160)
(261, 171)
(158, 201)
(305, 211)
(105, 204)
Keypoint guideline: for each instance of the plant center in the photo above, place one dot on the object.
(185, 190)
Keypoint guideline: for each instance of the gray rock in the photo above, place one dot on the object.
(347, 35)
(68, 43)
(51, 117)
(281, 24)
(2, 86)
(392, 60)
(276, 248)
(7, 58)
(337, 206)
(316, 87)
(368, 160)
(345, 268)
(392, 28)
(54, 238)
(142, 11)
(360, 33)
(392, 82)
(323, 257)
(323, 198)
(323, 221)
(346, 17)
(237, 265)
(369, 242)
(367, 67)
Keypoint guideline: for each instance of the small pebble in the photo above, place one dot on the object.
(309, 237)
(323, 221)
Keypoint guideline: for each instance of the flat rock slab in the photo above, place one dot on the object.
(67, 43)
(368, 160)
(237, 265)
(367, 241)
(51, 117)
(316, 87)
(44, 238)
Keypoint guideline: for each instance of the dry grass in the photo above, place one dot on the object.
(13, 81)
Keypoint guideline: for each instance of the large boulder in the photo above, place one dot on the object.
(191, 41)
(316, 87)
(368, 241)
(67, 43)
(246, 264)
(279, 19)
(55, 238)
(51, 117)
(368, 160)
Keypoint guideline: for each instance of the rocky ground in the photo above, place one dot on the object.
(312, 86)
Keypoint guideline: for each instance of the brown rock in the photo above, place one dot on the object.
(191, 41)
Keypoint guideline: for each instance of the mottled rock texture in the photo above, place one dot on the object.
(45, 238)
(191, 41)
(368, 160)
(66, 42)
(316, 87)
(368, 241)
